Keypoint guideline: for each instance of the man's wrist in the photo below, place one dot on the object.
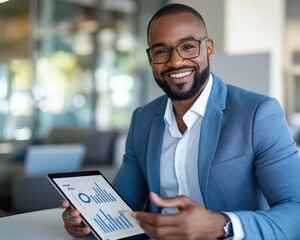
(227, 228)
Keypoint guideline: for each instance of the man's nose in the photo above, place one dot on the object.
(175, 58)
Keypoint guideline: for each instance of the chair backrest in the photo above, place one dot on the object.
(50, 158)
(99, 144)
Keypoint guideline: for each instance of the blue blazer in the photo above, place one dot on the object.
(248, 162)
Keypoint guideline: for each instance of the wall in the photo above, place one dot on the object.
(256, 26)
(238, 70)
(292, 61)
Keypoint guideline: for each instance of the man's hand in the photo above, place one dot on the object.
(191, 222)
(73, 222)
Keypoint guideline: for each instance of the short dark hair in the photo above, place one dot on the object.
(174, 9)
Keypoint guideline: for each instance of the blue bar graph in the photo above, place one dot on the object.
(109, 224)
(101, 195)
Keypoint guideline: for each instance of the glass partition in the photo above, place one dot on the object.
(71, 63)
(16, 76)
(88, 53)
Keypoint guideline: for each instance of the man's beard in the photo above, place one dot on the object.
(199, 81)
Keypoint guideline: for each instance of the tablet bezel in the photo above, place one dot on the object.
(52, 176)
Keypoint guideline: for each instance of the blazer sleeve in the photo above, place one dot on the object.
(277, 170)
(130, 181)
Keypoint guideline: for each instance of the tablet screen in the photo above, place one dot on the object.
(99, 204)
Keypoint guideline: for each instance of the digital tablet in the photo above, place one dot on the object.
(100, 206)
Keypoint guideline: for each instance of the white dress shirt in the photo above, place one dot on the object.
(179, 156)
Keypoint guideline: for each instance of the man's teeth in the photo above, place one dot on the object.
(180, 75)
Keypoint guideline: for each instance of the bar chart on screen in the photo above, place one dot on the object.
(107, 223)
(100, 195)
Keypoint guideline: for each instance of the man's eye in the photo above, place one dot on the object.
(188, 46)
(160, 51)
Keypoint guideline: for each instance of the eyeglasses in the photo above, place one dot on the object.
(186, 50)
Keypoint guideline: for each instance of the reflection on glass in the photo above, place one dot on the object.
(3, 83)
(121, 87)
(19, 121)
(82, 71)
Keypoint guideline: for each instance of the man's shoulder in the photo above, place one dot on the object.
(221, 83)
(234, 97)
(156, 105)
(236, 91)
(143, 116)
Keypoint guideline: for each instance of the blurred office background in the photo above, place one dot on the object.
(81, 64)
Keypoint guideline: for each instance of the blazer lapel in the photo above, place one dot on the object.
(154, 151)
(210, 133)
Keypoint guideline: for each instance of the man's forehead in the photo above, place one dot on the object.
(179, 17)
(175, 27)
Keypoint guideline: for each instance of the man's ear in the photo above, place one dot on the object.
(210, 48)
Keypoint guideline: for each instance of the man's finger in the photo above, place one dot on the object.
(70, 213)
(62, 203)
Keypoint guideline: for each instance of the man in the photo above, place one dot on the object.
(221, 159)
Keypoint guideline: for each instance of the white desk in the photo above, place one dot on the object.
(45, 225)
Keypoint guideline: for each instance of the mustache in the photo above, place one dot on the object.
(172, 69)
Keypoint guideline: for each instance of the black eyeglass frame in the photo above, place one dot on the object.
(176, 48)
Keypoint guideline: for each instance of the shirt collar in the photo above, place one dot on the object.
(199, 106)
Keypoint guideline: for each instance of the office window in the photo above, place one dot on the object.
(88, 53)
(71, 63)
(16, 74)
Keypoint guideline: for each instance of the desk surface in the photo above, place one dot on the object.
(45, 224)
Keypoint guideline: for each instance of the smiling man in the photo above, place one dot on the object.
(215, 160)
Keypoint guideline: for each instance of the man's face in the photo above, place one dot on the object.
(180, 79)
